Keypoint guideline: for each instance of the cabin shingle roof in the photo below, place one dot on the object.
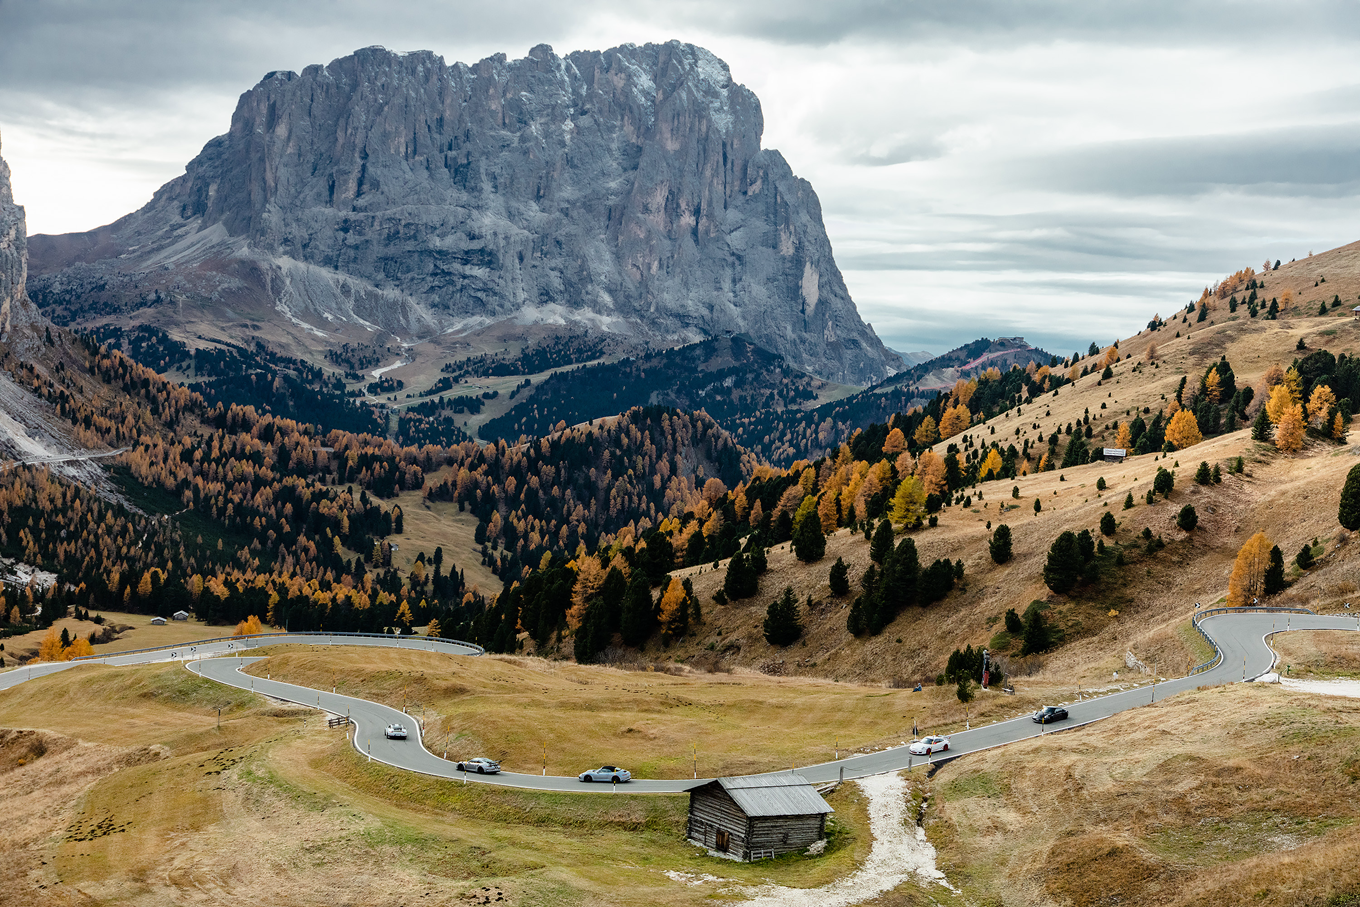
(772, 795)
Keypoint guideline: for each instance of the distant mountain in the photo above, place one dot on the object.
(624, 190)
(966, 361)
(914, 358)
(725, 377)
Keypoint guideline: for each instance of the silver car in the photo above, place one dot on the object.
(395, 732)
(481, 765)
(606, 773)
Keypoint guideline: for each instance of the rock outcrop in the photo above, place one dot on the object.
(17, 315)
(624, 190)
(13, 251)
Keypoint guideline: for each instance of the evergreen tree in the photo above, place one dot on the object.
(936, 581)
(783, 626)
(1064, 565)
(1037, 637)
(1107, 374)
(1000, 545)
(839, 578)
(856, 623)
(639, 611)
(1164, 482)
(1260, 426)
(1274, 579)
(1187, 519)
(1348, 513)
(758, 562)
(741, 581)
(1014, 625)
(808, 542)
(1107, 524)
(1203, 475)
(1128, 501)
(882, 544)
(1305, 557)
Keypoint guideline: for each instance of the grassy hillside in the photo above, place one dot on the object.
(1231, 795)
(1142, 607)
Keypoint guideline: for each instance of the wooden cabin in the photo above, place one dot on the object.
(756, 817)
(1113, 454)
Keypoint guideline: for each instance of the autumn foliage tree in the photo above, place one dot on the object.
(1290, 430)
(251, 626)
(1247, 582)
(1183, 431)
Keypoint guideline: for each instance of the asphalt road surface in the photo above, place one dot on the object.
(1240, 637)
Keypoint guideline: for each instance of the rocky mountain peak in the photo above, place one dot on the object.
(16, 312)
(623, 190)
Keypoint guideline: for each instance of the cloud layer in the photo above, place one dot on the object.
(1056, 170)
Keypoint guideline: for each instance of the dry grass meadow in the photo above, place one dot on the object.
(120, 788)
(1229, 795)
(135, 631)
(1318, 655)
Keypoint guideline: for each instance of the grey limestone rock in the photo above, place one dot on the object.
(623, 191)
(18, 318)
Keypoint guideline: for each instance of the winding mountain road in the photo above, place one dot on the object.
(1240, 637)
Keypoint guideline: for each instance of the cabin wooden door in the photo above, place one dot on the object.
(724, 841)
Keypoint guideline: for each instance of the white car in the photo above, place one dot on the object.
(927, 745)
(481, 765)
(606, 773)
(395, 732)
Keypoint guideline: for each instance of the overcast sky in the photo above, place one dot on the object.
(1060, 171)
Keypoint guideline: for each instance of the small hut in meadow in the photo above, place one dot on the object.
(755, 817)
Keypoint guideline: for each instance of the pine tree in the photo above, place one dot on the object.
(1187, 519)
(1163, 483)
(1037, 638)
(783, 625)
(1203, 475)
(1014, 625)
(839, 578)
(882, 544)
(639, 611)
(1128, 501)
(856, 623)
(1000, 544)
(1064, 564)
(741, 581)
(1107, 524)
(1260, 426)
(1273, 581)
(808, 542)
(1348, 513)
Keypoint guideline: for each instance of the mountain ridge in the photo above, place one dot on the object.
(623, 190)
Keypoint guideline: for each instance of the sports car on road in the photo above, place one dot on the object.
(1048, 714)
(927, 745)
(395, 732)
(481, 765)
(606, 773)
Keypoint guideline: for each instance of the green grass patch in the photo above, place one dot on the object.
(976, 784)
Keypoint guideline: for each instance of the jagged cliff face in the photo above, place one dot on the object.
(20, 322)
(13, 252)
(624, 190)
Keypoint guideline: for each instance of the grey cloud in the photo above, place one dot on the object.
(1164, 23)
(1314, 160)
